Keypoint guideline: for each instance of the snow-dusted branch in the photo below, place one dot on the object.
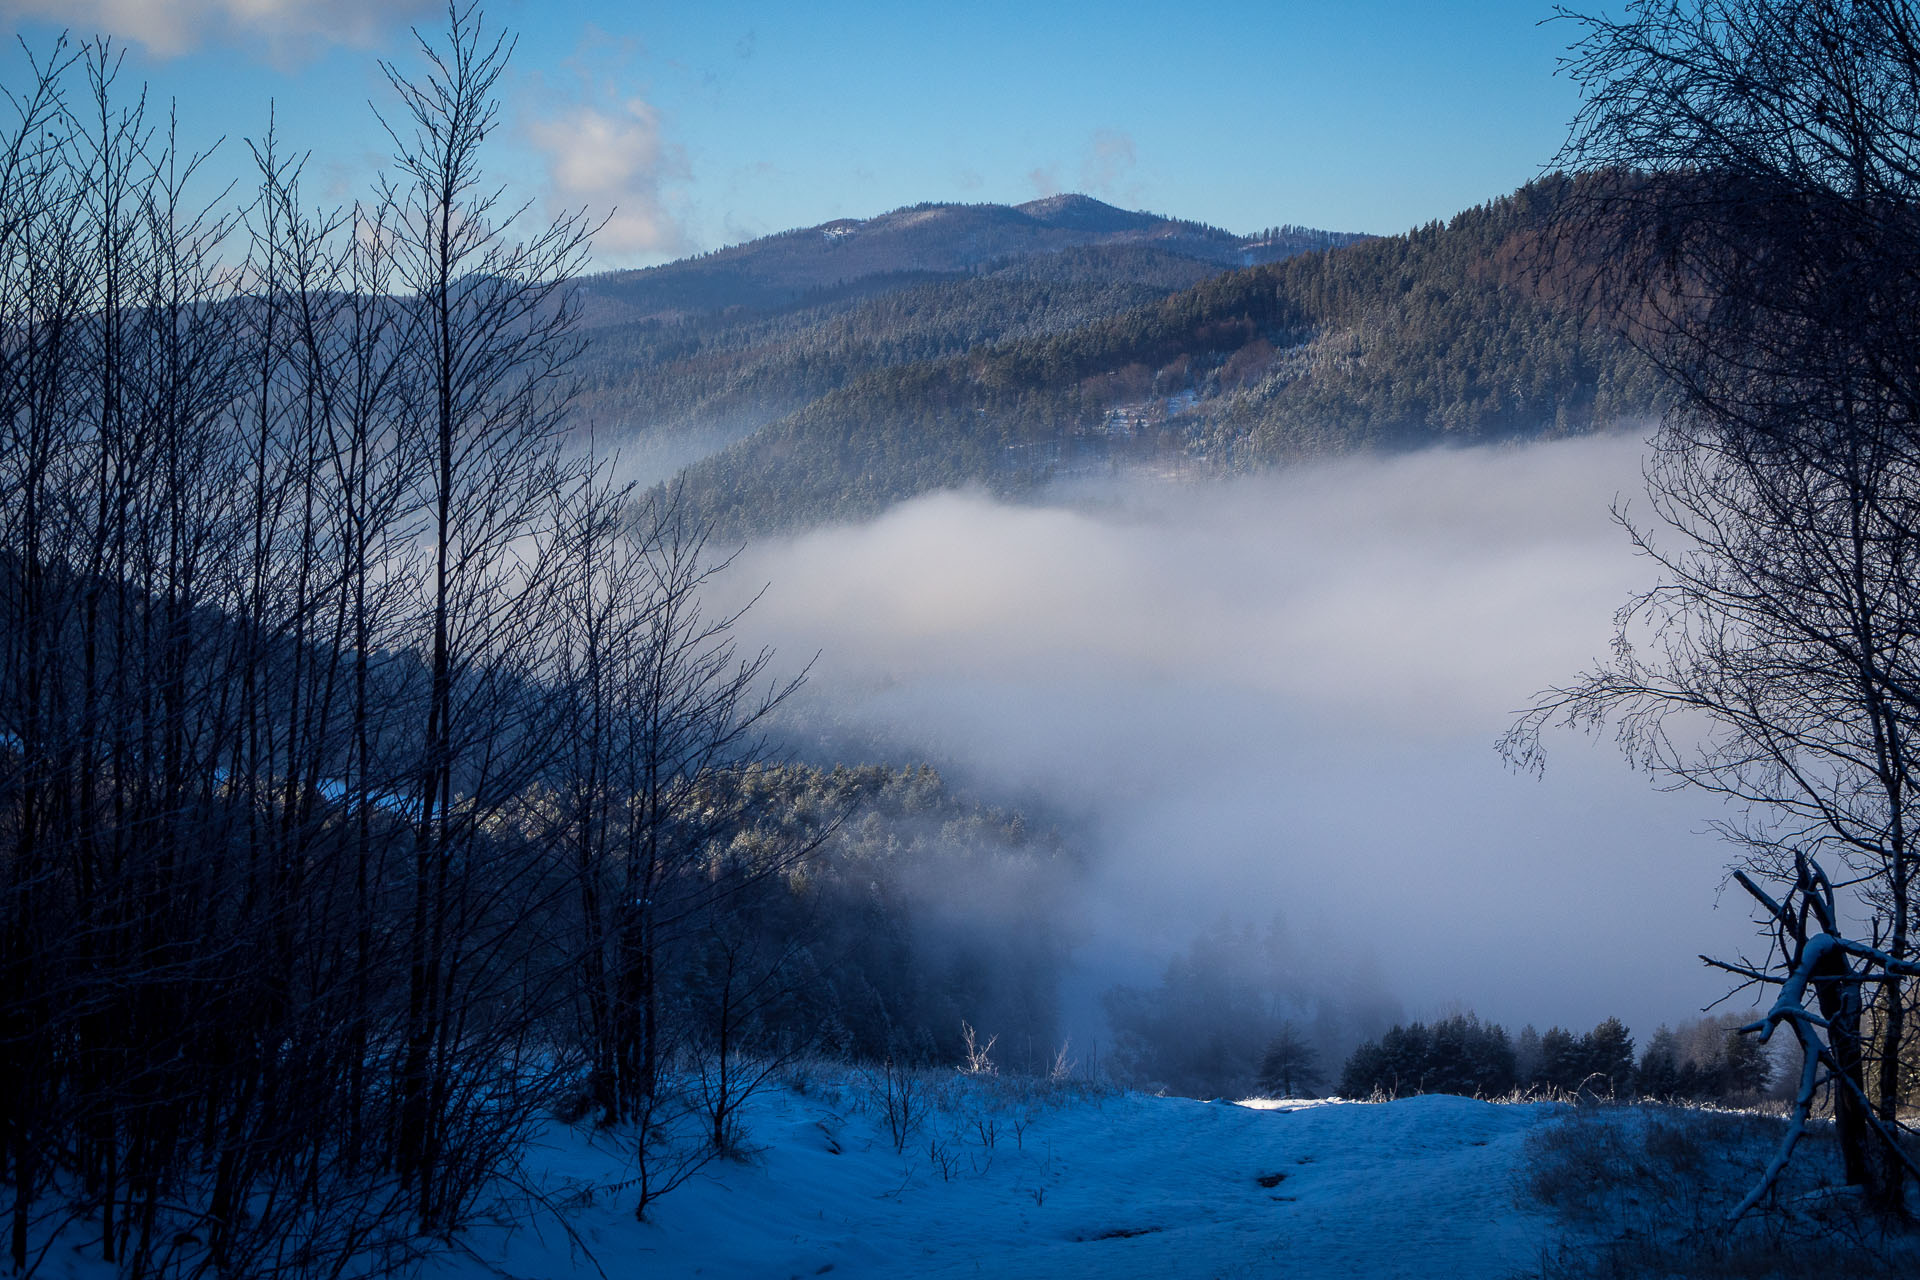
(1813, 1055)
(1819, 959)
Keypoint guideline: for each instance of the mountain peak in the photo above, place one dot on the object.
(1084, 213)
(939, 238)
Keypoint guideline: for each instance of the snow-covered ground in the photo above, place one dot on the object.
(1006, 1180)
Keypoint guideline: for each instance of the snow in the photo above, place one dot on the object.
(1009, 1180)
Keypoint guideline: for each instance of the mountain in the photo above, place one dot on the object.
(1460, 331)
(687, 358)
(925, 238)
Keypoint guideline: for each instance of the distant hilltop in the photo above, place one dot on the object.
(924, 239)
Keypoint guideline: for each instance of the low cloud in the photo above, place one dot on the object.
(1279, 697)
(612, 158)
(1045, 180)
(1109, 159)
(287, 30)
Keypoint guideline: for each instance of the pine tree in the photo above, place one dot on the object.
(1606, 1053)
(1744, 1069)
(1527, 1056)
(1561, 1064)
(1289, 1067)
(1660, 1068)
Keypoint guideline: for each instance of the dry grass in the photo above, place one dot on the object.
(1643, 1192)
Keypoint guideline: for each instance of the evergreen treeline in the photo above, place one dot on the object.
(1708, 1060)
(693, 355)
(1244, 1011)
(1704, 1061)
(1458, 1054)
(1461, 331)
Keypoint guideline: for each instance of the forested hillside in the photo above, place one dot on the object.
(694, 355)
(692, 383)
(1450, 332)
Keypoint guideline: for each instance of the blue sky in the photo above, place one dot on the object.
(708, 124)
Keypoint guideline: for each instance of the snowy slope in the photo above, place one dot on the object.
(1001, 1181)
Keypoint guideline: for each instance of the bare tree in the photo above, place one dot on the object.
(343, 710)
(1754, 167)
(671, 714)
(487, 323)
(218, 656)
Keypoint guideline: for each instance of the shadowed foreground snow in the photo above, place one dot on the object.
(1093, 1185)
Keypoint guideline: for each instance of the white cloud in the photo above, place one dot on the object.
(1109, 158)
(613, 158)
(289, 29)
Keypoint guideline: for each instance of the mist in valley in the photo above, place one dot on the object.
(1269, 706)
(546, 721)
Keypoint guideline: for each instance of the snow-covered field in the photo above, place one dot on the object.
(1008, 1180)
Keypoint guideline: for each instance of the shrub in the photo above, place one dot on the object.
(1643, 1192)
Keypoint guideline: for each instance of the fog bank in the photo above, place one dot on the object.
(1280, 696)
